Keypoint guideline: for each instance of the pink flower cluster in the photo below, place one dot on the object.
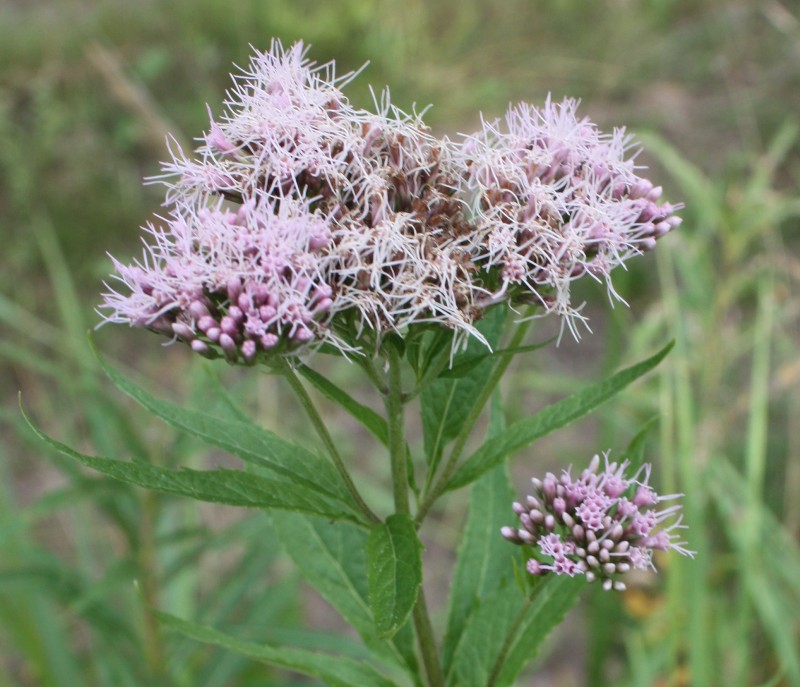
(556, 199)
(600, 525)
(302, 220)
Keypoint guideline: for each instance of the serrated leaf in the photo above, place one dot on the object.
(230, 487)
(506, 631)
(485, 559)
(253, 444)
(333, 560)
(482, 638)
(556, 595)
(394, 572)
(524, 432)
(445, 403)
(337, 671)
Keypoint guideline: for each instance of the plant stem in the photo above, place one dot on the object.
(469, 422)
(327, 440)
(397, 445)
(394, 402)
(427, 643)
(148, 567)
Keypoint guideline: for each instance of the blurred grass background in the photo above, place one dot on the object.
(87, 92)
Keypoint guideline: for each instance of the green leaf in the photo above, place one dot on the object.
(394, 572)
(445, 403)
(230, 487)
(491, 619)
(506, 631)
(253, 444)
(332, 559)
(554, 596)
(485, 559)
(366, 416)
(465, 366)
(634, 453)
(337, 671)
(557, 415)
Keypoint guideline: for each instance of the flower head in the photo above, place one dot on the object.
(301, 220)
(557, 199)
(588, 526)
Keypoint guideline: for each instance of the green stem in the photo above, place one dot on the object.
(397, 445)
(394, 402)
(368, 366)
(427, 643)
(471, 419)
(148, 569)
(327, 440)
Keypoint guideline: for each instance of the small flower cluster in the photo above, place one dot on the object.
(600, 525)
(249, 281)
(303, 220)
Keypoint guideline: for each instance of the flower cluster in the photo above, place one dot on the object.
(600, 525)
(557, 199)
(303, 220)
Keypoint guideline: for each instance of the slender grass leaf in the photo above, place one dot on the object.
(774, 588)
(557, 415)
(337, 671)
(230, 487)
(394, 572)
(226, 404)
(333, 560)
(253, 444)
(44, 576)
(366, 416)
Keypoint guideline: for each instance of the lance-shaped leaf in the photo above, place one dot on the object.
(554, 416)
(230, 487)
(332, 558)
(480, 641)
(394, 572)
(484, 562)
(253, 444)
(337, 671)
(553, 598)
(505, 631)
